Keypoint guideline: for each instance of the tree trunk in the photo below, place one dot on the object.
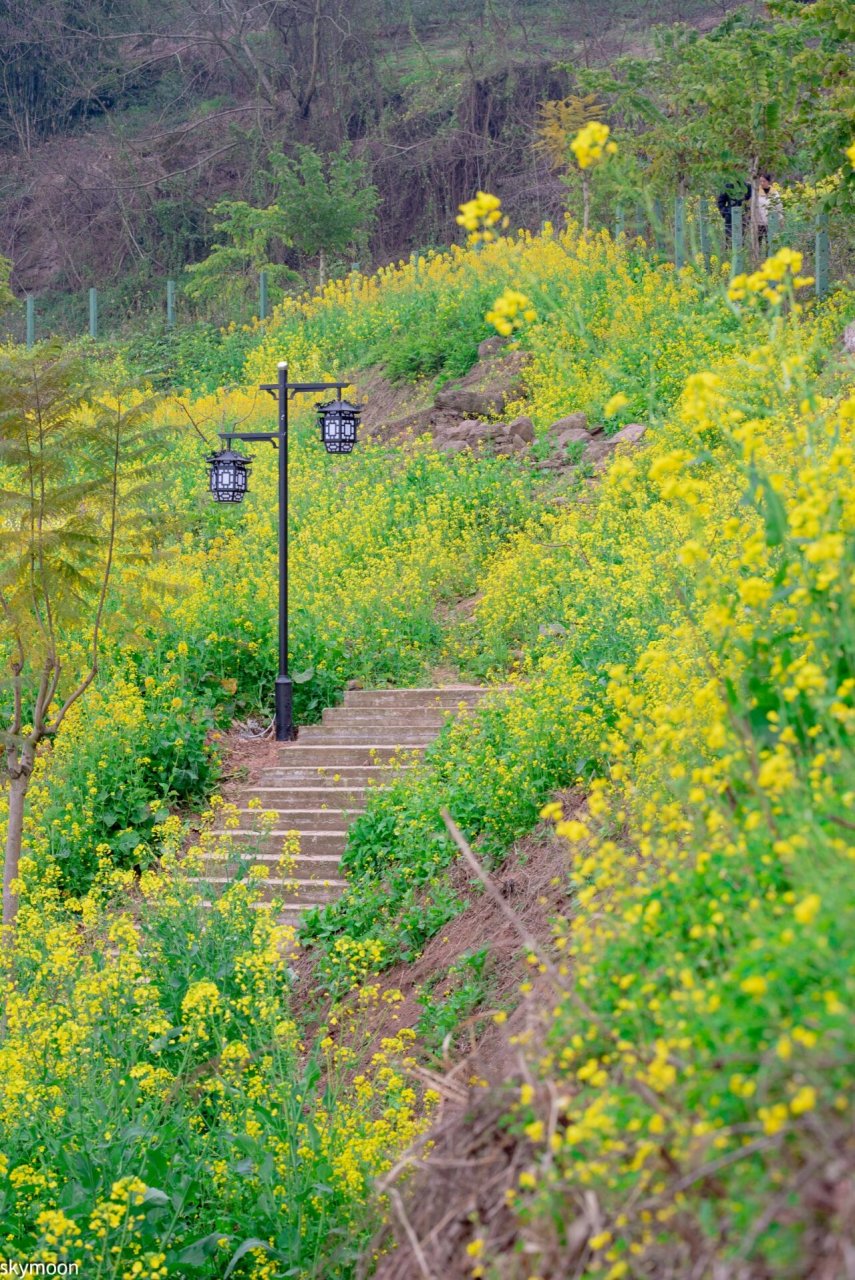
(322, 269)
(586, 201)
(17, 794)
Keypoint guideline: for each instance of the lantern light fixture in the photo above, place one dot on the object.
(339, 422)
(229, 474)
(229, 479)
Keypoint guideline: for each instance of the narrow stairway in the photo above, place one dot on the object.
(319, 785)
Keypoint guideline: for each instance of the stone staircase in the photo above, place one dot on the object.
(319, 784)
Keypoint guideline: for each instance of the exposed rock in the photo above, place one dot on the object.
(455, 419)
(473, 400)
(523, 428)
(484, 390)
(570, 435)
(491, 347)
(848, 338)
(597, 451)
(388, 404)
(630, 434)
(467, 429)
(573, 422)
(414, 424)
(600, 449)
(470, 433)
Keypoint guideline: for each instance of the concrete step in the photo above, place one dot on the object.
(308, 893)
(321, 867)
(308, 797)
(322, 782)
(358, 735)
(291, 911)
(395, 717)
(319, 819)
(332, 757)
(330, 842)
(330, 776)
(376, 728)
(450, 696)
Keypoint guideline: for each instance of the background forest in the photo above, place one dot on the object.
(123, 125)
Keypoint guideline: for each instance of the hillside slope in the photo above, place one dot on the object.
(120, 129)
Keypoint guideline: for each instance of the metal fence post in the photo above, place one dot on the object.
(170, 304)
(703, 228)
(679, 233)
(735, 239)
(93, 313)
(822, 254)
(774, 229)
(619, 229)
(262, 295)
(31, 322)
(658, 221)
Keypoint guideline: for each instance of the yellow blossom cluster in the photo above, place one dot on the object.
(703, 961)
(774, 280)
(161, 1041)
(675, 641)
(509, 311)
(481, 216)
(591, 143)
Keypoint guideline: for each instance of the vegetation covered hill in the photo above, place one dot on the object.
(121, 126)
(586, 1005)
(678, 638)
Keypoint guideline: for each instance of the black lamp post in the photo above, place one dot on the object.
(229, 479)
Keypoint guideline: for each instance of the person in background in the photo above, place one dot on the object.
(768, 202)
(734, 195)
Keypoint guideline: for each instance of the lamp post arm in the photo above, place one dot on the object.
(250, 436)
(296, 388)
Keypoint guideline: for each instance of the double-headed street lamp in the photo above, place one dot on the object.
(338, 420)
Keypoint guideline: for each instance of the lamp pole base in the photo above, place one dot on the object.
(285, 731)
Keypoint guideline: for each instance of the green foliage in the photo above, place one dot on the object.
(65, 447)
(190, 1130)
(194, 357)
(326, 204)
(704, 109)
(253, 239)
(492, 769)
(438, 335)
(451, 1002)
(319, 208)
(136, 747)
(6, 295)
(71, 469)
(153, 1039)
(825, 120)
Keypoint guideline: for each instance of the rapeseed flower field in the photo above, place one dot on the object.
(677, 638)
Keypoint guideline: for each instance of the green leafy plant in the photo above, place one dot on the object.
(451, 1000)
(65, 451)
(327, 205)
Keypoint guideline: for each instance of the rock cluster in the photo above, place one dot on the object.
(456, 419)
(589, 445)
(486, 388)
(452, 436)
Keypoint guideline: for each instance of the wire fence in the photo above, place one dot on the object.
(685, 230)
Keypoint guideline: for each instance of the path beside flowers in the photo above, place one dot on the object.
(320, 781)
